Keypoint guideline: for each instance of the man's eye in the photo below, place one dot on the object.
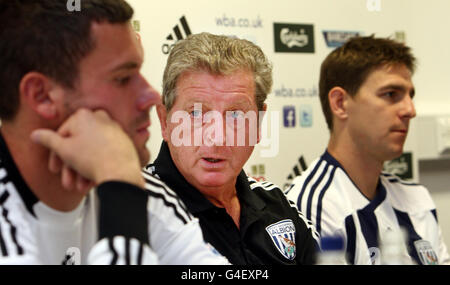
(235, 114)
(123, 80)
(390, 94)
(196, 113)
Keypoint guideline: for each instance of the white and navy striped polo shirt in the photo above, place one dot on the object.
(330, 199)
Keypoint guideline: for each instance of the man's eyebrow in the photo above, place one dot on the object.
(126, 66)
(192, 101)
(241, 102)
(397, 87)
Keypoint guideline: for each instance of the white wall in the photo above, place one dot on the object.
(290, 70)
(429, 37)
(425, 24)
(434, 174)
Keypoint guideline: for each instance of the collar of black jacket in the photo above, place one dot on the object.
(194, 199)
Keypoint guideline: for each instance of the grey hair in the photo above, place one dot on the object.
(218, 55)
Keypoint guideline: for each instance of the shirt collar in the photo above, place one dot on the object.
(247, 195)
(28, 197)
(167, 171)
(380, 192)
(194, 199)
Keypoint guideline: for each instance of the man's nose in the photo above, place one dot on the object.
(148, 96)
(214, 133)
(408, 109)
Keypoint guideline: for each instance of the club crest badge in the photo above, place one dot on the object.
(425, 252)
(283, 236)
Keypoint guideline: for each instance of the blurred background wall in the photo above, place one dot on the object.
(293, 105)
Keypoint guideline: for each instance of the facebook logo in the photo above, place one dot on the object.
(306, 116)
(289, 116)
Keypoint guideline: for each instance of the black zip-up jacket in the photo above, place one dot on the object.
(272, 231)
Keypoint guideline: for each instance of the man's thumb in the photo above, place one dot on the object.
(47, 138)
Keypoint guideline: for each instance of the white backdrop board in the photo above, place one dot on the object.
(295, 89)
(423, 25)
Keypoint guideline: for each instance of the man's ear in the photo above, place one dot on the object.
(264, 109)
(40, 93)
(338, 99)
(162, 115)
(260, 118)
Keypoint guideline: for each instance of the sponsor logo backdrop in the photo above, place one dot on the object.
(296, 35)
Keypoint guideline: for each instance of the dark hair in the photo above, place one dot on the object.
(349, 66)
(43, 36)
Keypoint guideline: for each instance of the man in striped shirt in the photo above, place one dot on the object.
(366, 94)
(72, 81)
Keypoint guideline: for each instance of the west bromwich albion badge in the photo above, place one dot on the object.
(283, 236)
(426, 253)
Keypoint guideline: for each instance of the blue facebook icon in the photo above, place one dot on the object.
(289, 116)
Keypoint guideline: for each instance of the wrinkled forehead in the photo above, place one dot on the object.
(206, 85)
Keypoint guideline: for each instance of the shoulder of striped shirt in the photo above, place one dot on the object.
(269, 186)
(310, 173)
(307, 222)
(266, 185)
(13, 244)
(159, 190)
(311, 177)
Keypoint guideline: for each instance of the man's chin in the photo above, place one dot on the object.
(144, 157)
(394, 153)
(212, 180)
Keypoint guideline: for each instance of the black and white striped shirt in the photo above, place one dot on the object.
(118, 223)
(330, 199)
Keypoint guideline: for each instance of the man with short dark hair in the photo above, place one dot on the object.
(366, 93)
(71, 82)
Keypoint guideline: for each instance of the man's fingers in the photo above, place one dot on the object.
(83, 185)
(47, 138)
(68, 178)
(102, 114)
(55, 164)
